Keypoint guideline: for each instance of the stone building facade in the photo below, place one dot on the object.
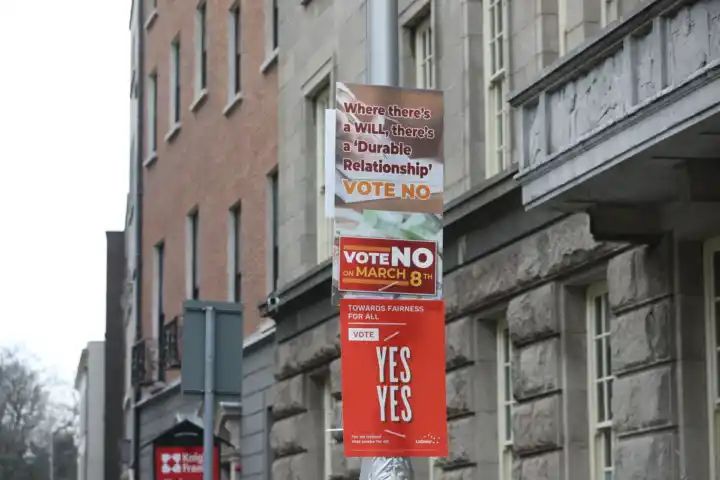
(581, 267)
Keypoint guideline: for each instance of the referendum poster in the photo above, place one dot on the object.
(388, 190)
(393, 378)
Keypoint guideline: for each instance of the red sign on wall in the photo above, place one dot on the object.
(183, 463)
(382, 265)
(393, 378)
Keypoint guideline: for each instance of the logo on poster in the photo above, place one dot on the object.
(171, 463)
(388, 266)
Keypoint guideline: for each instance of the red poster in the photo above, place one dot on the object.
(388, 266)
(182, 463)
(393, 378)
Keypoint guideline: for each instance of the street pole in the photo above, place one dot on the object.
(52, 454)
(209, 395)
(383, 60)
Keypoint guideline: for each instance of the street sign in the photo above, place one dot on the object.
(178, 453)
(228, 352)
(393, 378)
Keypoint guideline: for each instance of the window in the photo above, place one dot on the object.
(712, 296)
(273, 224)
(562, 26)
(200, 49)
(192, 262)
(235, 257)
(175, 83)
(324, 228)
(152, 117)
(610, 11)
(506, 400)
(151, 14)
(601, 384)
(159, 303)
(328, 442)
(234, 52)
(496, 83)
(424, 59)
(275, 25)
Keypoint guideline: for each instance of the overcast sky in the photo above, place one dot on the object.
(64, 86)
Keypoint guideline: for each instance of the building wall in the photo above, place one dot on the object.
(114, 354)
(213, 162)
(95, 408)
(258, 378)
(323, 42)
(532, 273)
(171, 406)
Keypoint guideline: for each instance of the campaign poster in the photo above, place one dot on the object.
(183, 463)
(379, 265)
(393, 378)
(388, 173)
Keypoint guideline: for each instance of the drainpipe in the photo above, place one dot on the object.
(138, 219)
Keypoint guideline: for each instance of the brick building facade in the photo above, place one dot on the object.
(203, 144)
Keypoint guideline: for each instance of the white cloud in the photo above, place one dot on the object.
(64, 80)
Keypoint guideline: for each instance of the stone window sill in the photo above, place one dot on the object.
(199, 100)
(151, 19)
(174, 130)
(270, 61)
(150, 160)
(232, 104)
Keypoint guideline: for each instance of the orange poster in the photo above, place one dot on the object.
(393, 378)
(381, 265)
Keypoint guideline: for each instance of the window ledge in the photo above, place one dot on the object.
(270, 60)
(199, 100)
(151, 19)
(169, 136)
(152, 158)
(234, 102)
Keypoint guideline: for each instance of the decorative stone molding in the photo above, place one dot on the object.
(537, 426)
(537, 370)
(534, 315)
(653, 456)
(639, 66)
(642, 337)
(644, 400)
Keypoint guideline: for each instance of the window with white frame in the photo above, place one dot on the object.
(175, 83)
(234, 52)
(327, 414)
(152, 117)
(273, 231)
(201, 57)
(600, 389)
(712, 300)
(275, 24)
(159, 302)
(506, 400)
(192, 256)
(321, 102)
(235, 255)
(423, 44)
(610, 11)
(496, 86)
